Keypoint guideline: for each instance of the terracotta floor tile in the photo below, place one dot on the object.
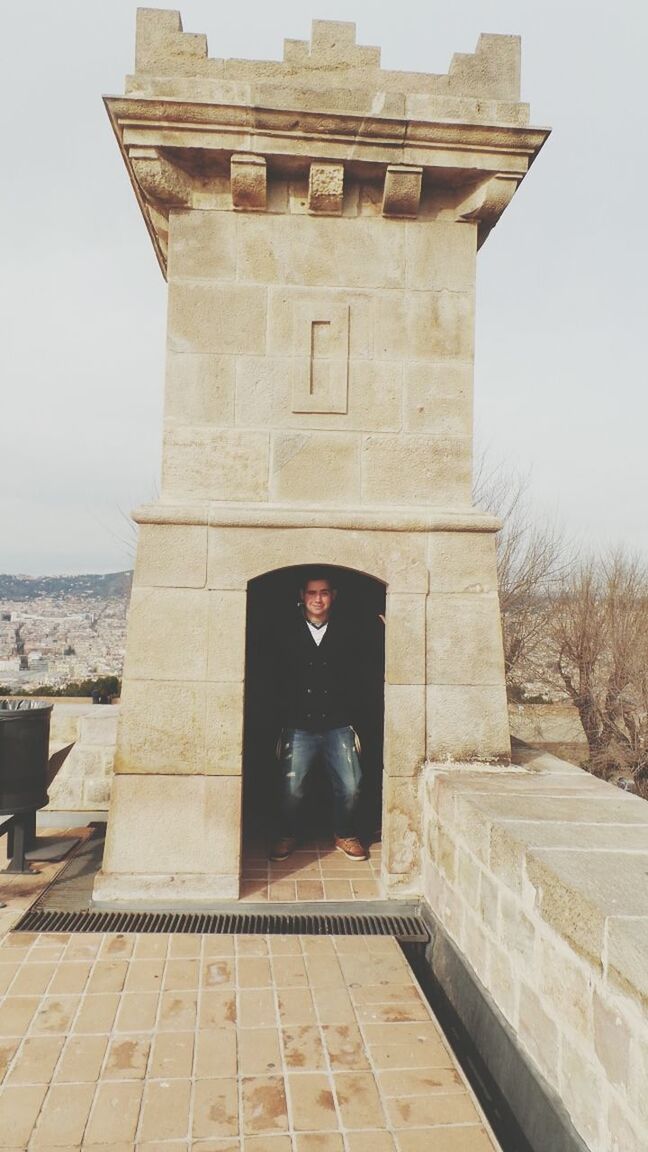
(82, 1059)
(458, 1139)
(385, 994)
(372, 1140)
(16, 1013)
(392, 1013)
(178, 1011)
(215, 1053)
(183, 946)
(253, 891)
(64, 1115)
(180, 975)
(420, 1082)
(137, 1012)
(31, 979)
(228, 1144)
(19, 1107)
(222, 946)
(36, 1060)
(85, 946)
(55, 1014)
(165, 1110)
(312, 1106)
(282, 891)
(337, 889)
(217, 1009)
(296, 1007)
(70, 977)
(113, 947)
(107, 976)
(334, 1006)
(218, 974)
(127, 1058)
(7, 1050)
(264, 1105)
(268, 1143)
(144, 975)
(253, 972)
(215, 1108)
(259, 1052)
(324, 972)
(365, 888)
(169, 1146)
(344, 1046)
(289, 971)
(171, 1056)
(358, 1099)
(285, 945)
(438, 1108)
(309, 890)
(256, 1008)
(317, 946)
(319, 1142)
(303, 1048)
(115, 1112)
(97, 1013)
(150, 946)
(7, 973)
(251, 946)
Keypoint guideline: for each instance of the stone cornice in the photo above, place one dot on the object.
(173, 148)
(391, 519)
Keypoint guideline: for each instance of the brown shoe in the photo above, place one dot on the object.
(351, 847)
(282, 848)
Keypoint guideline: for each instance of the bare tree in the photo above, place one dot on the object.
(599, 635)
(531, 559)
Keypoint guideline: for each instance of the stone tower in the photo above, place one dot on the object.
(317, 219)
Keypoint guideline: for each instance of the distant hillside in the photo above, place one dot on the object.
(111, 585)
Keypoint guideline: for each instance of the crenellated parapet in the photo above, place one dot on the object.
(325, 131)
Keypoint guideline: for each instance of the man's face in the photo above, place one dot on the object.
(318, 597)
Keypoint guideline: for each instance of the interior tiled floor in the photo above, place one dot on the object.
(224, 1043)
(315, 871)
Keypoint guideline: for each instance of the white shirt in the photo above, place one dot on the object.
(317, 633)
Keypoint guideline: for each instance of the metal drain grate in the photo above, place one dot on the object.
(406, 929)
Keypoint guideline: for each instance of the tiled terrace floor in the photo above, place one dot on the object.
(222, 1043)
(316, 871)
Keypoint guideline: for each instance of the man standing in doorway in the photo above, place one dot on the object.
(318, 683)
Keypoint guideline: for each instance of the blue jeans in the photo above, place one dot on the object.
(337, 751)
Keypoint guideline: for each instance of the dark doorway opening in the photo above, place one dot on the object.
(271, 599)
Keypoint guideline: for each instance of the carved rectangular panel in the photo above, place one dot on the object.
(321, 364)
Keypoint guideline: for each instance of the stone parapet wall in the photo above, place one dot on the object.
(84, 780)
(538, 875)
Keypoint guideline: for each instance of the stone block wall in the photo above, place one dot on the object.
(84, 780)
(539, 877)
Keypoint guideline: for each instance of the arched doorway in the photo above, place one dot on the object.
(271, 598)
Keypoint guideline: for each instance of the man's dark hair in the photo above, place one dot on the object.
(320, 573)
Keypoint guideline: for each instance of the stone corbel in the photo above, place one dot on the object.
(161, 183)
(249, 181)
(487, 202)
(402, 192)
(326, 189)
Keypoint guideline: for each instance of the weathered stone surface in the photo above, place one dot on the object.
(324, 468)
(167, 634)
(162, 728)
(404, 750)
(462, 562)
(437, 398)
(249, 181)
(192, 826)
(326, 188)
(199, 389)
(211, 317)
(466, 722)
(464, 640)
(405, 640)
(171, 556)
(205, 464)
(440, 256)
(224, 729)
(202, 246)
(236, 555)
(226, 636)
(402, 190)
(627, 947)
(424, 325)
(416, 470)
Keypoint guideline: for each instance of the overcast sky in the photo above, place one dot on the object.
(562, 299)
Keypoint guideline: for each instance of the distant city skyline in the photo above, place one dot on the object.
(559, 386)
